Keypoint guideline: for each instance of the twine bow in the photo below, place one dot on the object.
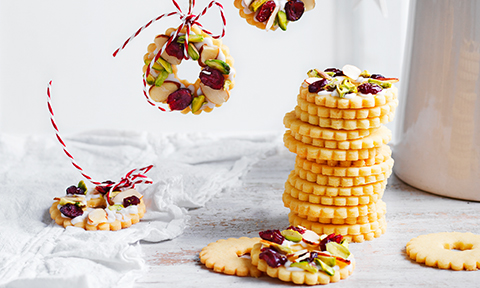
(130, 180)
(188, 20)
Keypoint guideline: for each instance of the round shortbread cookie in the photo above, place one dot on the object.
(299, 277)
(374, 216)
(329, 191)
(325, 211)
(306, 129)
(332, 201)
(117, 224)
(361, 237)
(379, 137)
(343, 124)
(353, 103)
(446, 250)
(383, 153)
(224, 256)
(349, 114)
(345, 229)
(343, 181)
(312, 152)
(324, 169)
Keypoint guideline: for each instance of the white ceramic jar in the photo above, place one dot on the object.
(437, 145)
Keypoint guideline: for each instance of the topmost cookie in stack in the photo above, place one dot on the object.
(343, 161)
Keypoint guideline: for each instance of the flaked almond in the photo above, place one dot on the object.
(311, 237)
(351, 71)
(97, 216)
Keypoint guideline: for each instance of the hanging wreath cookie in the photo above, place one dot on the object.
(108, 206)
(163, 88)
(271, 14)
(216, 77)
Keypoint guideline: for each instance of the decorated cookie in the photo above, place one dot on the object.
(302, 256)
(446, 250)
(231, 256)
(349, 88)
(216, 78)
(271, 14)
(98, 208)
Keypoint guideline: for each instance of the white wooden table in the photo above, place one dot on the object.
(257, 206)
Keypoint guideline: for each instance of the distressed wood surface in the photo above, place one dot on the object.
(257, 205)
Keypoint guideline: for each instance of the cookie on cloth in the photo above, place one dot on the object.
(446, 250)
(335, 113)
(231, 256)
(361, 232)
(323, 190)
(332, 201)
(344, 124)
(306, 129)
(378, 137)
(302, 256)
(311, 152)
(324, 169)
(374, 216)
(307, 209)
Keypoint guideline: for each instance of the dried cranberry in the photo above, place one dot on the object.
(212, 77)
(294, 9)
(317, 85)
(330, 238)
(377, 76)
(272, 257)
(369, 88)
(175, 49)
(337, 71)
(265, 11)
(180, 99)
(74, 190)
(132, 200)
(300, 230)
(71, 210)
(272, 236)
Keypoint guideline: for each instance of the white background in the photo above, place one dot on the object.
(71, 43)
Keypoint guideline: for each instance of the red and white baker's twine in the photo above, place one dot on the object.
(130, 180)
(188, 20)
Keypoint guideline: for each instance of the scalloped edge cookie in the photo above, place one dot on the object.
(437, 250)
(299, 277)
(304, 128)
(223, 256)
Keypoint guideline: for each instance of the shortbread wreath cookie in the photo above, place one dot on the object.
(332, 201)
(380, 228)
(342, 181)
(348, 114)
(306, 129)
(377, 138)
(98, 208)
(271, 14)
(231, 256)
(349, 88)
(302, 256)
(306, 209)
(382, 154)
(311, 152)
(374, 216)
(216, 77)
(344, 229)
(344, 124)
(329, 191)
(446, 250)
(350, 171)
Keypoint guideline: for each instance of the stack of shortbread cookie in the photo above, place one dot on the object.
(343, 160)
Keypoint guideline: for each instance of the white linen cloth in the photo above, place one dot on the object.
(189, 170)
